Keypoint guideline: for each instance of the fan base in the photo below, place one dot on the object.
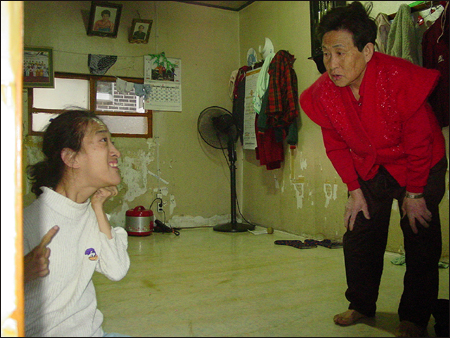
(236, 227)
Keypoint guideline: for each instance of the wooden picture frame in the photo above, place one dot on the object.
(38, 67)
(140, 31)
(104, 19)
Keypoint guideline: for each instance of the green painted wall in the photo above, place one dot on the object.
(305, 196)
(195, 176)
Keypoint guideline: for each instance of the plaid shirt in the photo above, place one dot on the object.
(282, 107)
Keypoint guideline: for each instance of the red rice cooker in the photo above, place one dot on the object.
(139, 221)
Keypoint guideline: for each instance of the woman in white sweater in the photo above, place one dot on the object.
(67, 235)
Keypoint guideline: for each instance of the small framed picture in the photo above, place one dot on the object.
(140, 31)
(104, 19)
(38, 67)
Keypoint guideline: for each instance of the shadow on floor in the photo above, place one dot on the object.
(386, 321)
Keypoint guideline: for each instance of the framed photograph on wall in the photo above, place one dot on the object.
(38, 67)
(140, 31)
(104, 19)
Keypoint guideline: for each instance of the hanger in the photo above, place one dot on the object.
(418, 8)
(421, 19)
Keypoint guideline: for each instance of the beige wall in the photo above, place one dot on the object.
(305, 196)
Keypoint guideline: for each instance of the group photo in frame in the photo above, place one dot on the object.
(38, 67)
(104, 19)
(140, 31)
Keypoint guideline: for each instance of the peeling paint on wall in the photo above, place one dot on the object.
(158, 177)
(172, 204)
(163, 190)
(299, 190)
(134, 172)
(277, 184)
(188, 221)
(134, 175)
(328, 193)
(303, 162)
(118, 218)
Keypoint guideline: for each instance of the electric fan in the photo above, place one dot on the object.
(218, 128)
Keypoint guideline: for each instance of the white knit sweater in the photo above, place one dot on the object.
(64, 302)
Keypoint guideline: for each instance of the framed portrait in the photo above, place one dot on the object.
(140, 31)
(104, 19)
(38, 67)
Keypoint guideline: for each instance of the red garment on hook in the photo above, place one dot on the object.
(435, 53)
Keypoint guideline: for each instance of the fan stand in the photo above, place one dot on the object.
(234, 226)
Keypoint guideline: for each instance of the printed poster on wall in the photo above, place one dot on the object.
(163, 74)
(251, 78)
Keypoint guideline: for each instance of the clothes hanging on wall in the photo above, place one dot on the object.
(282, 107)
(432, 15)
(384, 26)
(403, 40)
(262, 82)
(435, 49)
(277, 120)
(239, 99)
(99, 64)
(269, 150)
(428, 39)
(124, 87)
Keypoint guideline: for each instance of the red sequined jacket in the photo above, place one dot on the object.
(394, 127)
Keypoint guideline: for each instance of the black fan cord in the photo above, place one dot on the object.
(173, 230)
(237, 200)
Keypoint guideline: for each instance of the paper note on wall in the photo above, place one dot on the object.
(249, 111)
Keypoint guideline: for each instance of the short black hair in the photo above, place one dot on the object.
(352, 18)
(106, 12)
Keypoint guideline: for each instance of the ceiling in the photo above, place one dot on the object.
(227, 5)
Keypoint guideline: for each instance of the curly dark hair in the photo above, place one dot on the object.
(67, 130)
(352, 18)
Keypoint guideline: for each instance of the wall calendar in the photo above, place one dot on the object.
(163, 74)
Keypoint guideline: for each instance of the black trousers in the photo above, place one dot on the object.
(365, 245)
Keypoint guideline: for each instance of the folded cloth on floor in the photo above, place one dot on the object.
(401, 261)
(296, 244)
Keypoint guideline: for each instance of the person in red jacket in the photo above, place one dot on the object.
(385, 142)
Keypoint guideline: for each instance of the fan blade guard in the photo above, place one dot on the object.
(217, 127)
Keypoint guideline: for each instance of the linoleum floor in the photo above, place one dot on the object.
(205, 283)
